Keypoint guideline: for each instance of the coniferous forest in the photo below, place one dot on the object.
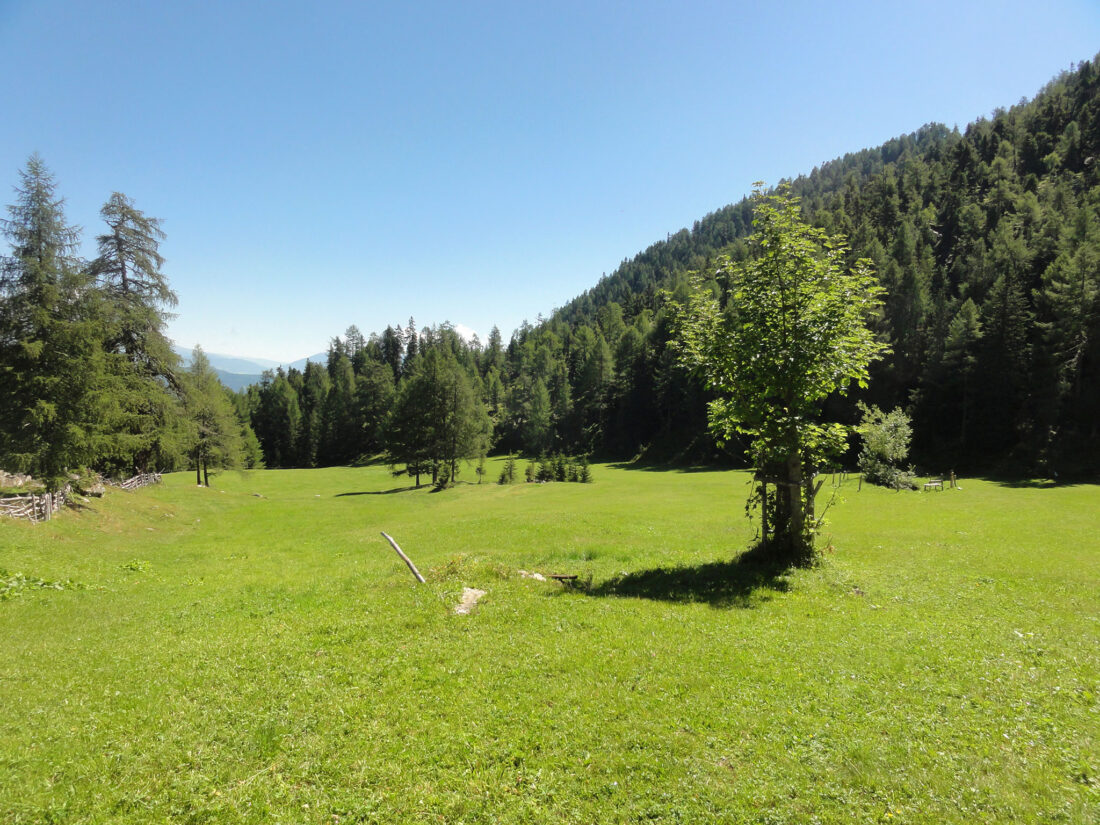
(89, 379)
(986, 240)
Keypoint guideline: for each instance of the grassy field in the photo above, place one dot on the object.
(256, 652)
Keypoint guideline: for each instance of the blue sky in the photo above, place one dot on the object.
(327, 163)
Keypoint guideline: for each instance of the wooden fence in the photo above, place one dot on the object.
(140, 480)
(34, 507)
(42, 507)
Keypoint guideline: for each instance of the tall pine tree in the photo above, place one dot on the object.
(51, 359)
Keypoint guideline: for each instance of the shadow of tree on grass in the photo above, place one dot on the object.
(741, 582)
(380, 492)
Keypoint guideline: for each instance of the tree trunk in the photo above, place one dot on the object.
(764, 514)
(198, 466)
(798, 514)
(454, 430)
(811, 497)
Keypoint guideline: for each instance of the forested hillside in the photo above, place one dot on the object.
(987, 242)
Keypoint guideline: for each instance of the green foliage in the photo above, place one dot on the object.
(13, 585)
(508, 471)
(437, 420)
(792, 332)
(215, 430)
(51, 355)
(341, 430)
(142, 418)
(886, 438)
(546, 470)
(89, 378)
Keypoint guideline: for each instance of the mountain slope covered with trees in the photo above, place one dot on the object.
(987, 242)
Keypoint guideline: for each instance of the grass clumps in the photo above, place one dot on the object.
(13, 585)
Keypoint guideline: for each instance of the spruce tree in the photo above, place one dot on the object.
(51, 359)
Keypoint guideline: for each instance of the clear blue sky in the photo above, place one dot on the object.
(319, 164)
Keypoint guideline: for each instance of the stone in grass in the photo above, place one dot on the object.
(470, 596)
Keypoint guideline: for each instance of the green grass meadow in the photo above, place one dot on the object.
(256, 652)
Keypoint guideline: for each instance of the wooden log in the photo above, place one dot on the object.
(405, 558)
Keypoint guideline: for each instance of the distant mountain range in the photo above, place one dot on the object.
(238, 373)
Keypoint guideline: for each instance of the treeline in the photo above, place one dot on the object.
(428, 399)
(87, 377)
(987, 242)
(418, 397)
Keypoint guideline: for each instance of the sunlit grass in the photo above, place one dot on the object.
(256, 652)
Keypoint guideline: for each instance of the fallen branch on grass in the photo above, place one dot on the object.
(405, 558)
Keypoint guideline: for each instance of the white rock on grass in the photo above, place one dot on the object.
(470, 596)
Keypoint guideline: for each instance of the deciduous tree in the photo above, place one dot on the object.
(792, 331)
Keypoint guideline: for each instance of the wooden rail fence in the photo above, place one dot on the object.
(35, 507)
(42, 507)
(140, 480)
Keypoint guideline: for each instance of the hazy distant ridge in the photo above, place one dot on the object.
(240, 365)
(237, 372)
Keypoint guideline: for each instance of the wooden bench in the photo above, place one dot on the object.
(934, 484)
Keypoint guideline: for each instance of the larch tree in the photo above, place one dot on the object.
(341, 439)
(374, 391)
(792, 331)
(128, 268)
(215, 430)
(464, 428)
(141, 369)
(410, 428)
